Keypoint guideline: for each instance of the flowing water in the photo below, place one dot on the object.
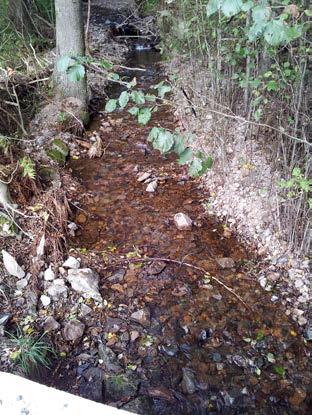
(199, 349)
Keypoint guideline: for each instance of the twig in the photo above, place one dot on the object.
(185, 264)
(87, 28)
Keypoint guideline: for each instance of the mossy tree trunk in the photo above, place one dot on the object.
(69, 42)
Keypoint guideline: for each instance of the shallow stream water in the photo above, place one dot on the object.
(200, 350)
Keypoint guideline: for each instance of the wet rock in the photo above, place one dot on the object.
(118, 387)
(21, 284)
(152, 186)
(84, 310)
(143, 176)
(57, 289)
(134, 335)
(48, 274)
(109, 359)
(226, 263)
(91, 384)
(51, 324)
(118, 276)
(71, 262)
(182, 221)
(4, 318)
(85, 282)
(73, 330)
(298, 397)
(188, 381)
(138, 405)
(45, 300)
(12, 266)
(142, 317)
(308, 333)
(204, 336)
(169, 349)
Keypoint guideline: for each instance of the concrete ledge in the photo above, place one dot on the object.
(19, 396)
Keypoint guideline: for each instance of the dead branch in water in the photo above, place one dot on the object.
(185, 264)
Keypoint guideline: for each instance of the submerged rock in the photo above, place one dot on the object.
(226, 262)
(73, 330)
(142, 317)
(188, 381)
(12, 266)
(85, 282)
(182, 221)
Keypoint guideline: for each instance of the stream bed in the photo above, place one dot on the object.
(170, 338)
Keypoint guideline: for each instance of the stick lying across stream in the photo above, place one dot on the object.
(184, 264)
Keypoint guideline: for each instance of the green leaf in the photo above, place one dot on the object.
(163, 90)
(247, 6)
(212, 7)
(179, 144)
(231, 7)
(275, 33)
(272, 86)
(123, 99)
(63, 63)
(164, 141)
(207, 164)
(105, 64)
(76, 72)
(144, 116)
(111, 105)
(195, 167)
(113, 76)
(134, 111)
(308, 12)
(150, 97)
(280, 370)
(138, 97)
(186, 156)
(153, 133)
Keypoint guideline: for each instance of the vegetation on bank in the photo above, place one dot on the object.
(255, 56)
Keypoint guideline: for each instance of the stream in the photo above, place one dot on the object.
(185, 343)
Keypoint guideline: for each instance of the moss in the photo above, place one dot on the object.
(60, 146)
(7, 226)
(57, 156)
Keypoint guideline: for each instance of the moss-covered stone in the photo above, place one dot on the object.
(7, 226)
(58, 151)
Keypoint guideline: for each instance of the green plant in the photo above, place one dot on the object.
(298, 184)
(28, 167)
(30, 351)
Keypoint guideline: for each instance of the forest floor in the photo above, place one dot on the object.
(143, 314)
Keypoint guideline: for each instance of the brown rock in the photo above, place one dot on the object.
(142, 317)
(73, 330)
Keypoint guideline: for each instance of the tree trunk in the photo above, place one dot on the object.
(19, 15)
(69, 42)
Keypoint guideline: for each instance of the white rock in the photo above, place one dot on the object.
(302, 321)
(72, 263)
(226, 262)
(57, 289)
(45, 300)
(49, 274)
(21, 284)
(12, 266)
(298, 283)
(152, 186)
(143, 176)
(86, 282)
(182, 221)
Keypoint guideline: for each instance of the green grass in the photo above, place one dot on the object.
(30, 352)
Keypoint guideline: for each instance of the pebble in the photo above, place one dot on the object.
(152, 186)
(73, 330)
(226, 263)
(142, 317)
(11, 266)
(51, 324)
(134, 335)
(45, 300)
(57, 289)
(182, 221)
(143, 176)
(49, 274)
(81, 218)
(21, 284)
(72, 263)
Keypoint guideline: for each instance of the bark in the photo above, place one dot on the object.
(69, 42)
(18, 13)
